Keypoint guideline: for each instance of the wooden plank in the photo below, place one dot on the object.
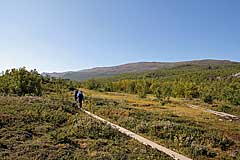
(221, 114)
(141, 139)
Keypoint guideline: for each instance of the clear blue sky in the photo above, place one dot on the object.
(61, 35)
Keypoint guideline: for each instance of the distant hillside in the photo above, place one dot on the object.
(133, 68)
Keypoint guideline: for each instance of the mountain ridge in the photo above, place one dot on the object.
(135, 67)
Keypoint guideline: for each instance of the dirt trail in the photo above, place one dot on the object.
(221, 114)
(141, 139)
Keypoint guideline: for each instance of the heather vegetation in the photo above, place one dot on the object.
(39, 120)
(191, 132)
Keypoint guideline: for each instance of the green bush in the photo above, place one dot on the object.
(57, 117)
(199, 150)
(225, 143)
(142, 127)
(208, 99)
(225, 108)
(21, 82)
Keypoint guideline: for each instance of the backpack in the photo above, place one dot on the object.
(80, 96)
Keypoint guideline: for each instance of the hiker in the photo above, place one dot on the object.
(80, 99)
(75, 95)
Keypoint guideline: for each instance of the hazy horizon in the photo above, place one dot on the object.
(116, 65)
(59, 36)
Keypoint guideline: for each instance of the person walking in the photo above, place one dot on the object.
(80, 98)
(75, 95)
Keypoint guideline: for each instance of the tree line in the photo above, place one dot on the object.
(208, 84)
(22, 82)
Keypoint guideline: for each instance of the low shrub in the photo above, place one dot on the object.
(208, 99)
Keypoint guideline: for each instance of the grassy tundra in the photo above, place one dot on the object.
(192, 132)
(50, 127)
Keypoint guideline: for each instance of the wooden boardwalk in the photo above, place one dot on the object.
(141, 139)
(221, 114)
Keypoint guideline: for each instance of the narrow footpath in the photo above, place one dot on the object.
(141, 139)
